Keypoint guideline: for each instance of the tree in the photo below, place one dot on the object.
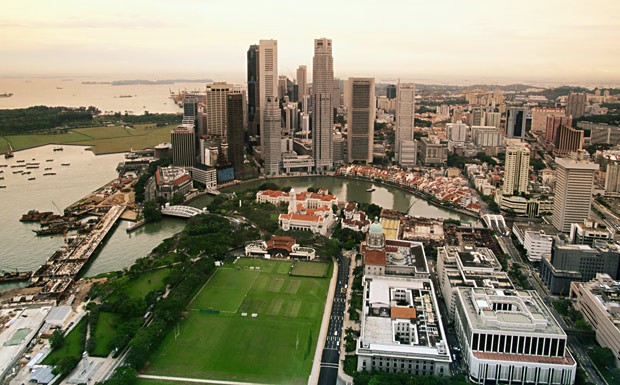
(57, 340)
(151, 212)
(65, 365)
(177, 199)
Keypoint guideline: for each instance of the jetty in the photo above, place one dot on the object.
(62, 268)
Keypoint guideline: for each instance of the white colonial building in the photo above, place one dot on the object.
(401, 328)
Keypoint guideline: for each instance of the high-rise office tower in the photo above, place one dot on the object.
(457, 132)
(216, 109)
(267, 78)
(253, 91)
(271, 136)
(573, 191)
(302, 83)
(517, 167)
(236, 147)
(336, 93)
(361, 120)
(477, 117)
(539, 117)
(553, 126)
(282, 86)
(492, 119)
(183, 140)
(190, 107)
(568, 140)
(322, 104)
(405, 119)
(516, 122)
(576, 105)
(612, 178)
(391, 91)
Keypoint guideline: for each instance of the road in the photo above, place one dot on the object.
(331, 352)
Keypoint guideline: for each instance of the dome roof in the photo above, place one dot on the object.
(376, 228)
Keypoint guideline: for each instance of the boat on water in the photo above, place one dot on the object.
(47, 168)
(58, 148)
(26, 173)
(18, 172)
(32, 178)
(49, 173)
(1, 178)
(65, 164)
(20, 161)
(49, 160)
(8, 155)
(9, 276)
(2, 186)
(4, 165)
(6, 95)
(370, 189)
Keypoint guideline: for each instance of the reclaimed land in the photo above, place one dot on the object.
(102, 140)
(275, 347)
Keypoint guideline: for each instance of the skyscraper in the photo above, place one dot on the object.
(361, 119)
(568, 140)
(302, 83)
(576, 105)
(517, 167)
(391, 91)
(573, 191)
(405, 119)
(267, 78)
(236, 148)
(190, 107)
(539, 117)
(253, 91)
(322, 104)
(216, 109)
(271, 135)
(515, 122)
(183, 145)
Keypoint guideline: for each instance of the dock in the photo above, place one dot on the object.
(63, 267)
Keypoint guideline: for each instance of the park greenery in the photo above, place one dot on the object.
(605, 361)
(41, 118)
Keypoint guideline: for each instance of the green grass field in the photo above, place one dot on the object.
(276, 347)
(147, 282)
(102, 139)
(310, 269)
(105, 332)
(72, 346)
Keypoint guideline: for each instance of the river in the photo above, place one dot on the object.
(22, 250)
(355, 190)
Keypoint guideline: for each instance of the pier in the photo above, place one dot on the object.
(61, 269)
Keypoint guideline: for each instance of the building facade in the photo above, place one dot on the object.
(573, 192)
(510, 337)
(405, 122)
(322, 104)
(235, 131)
(271, 136)
(361, 119)
(267, 87)
(517, 167)
(183, 141)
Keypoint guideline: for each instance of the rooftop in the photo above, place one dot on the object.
(507, 310)
(401, 316)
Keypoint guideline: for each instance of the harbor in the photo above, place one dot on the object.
(55, 277)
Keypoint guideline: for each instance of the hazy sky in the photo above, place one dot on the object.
(571, 41)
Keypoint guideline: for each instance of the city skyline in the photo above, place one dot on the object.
(550, 42)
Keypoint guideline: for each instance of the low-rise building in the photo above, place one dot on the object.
(533, 207)
(206, 175)
(170, 181)
(568, 263)
(587, 232)
(510, 337)
(279, 247)
(459, 266)
(536, 238)
(392, 257)
(599, 302)
(432, 151)
(401, 328)
(354, 219)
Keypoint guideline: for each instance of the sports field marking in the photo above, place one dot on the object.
(275, 307)
(292, 310)
(246, 293)
(293, 286)
(276, 285)
(202, 288)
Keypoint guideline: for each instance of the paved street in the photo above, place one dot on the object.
(331, 352)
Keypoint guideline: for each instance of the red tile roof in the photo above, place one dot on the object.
(375, 257)
(403, 312)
